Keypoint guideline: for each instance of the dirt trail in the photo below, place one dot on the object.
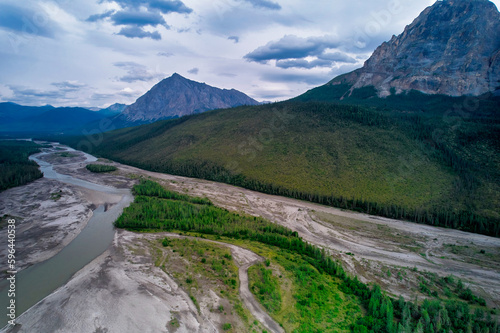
(244, 259)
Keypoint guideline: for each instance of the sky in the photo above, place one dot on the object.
(93, 53)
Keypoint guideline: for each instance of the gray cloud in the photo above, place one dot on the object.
(69, 86)
(139, 19)
(194, 71)
(136, 14)
(137, 32)
(136, 72)
(311, 79)
(324, 60)
(227, 75)
(164, 54)
(99, 17)
(264, 4)
(302, 63)
(32, 21)
(23, 95)
(170, 6)
(291, 52)
(337, 57)
(100, 97)
(236, 39)
(292, 47)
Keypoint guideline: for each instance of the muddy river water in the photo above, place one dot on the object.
(40, 280)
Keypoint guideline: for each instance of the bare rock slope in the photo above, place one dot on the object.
(452, 48)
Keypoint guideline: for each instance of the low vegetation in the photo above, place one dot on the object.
(310, 266)
(15, 167)
(202, 267)
(266, 287)
(100, 168)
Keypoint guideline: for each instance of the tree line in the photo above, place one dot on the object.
(15, 167)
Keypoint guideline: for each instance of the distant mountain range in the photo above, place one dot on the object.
(173, 97)
(451, 48)
(177, 96)
(21, 120)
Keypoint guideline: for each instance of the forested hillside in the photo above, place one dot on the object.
(15, 167)
(408, 157)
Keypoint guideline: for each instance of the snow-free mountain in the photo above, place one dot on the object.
(451, 48)
(177, 96)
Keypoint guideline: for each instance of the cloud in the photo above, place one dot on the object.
(137, 32)
(292, 47)
(236, 39)
(164, 54)
(100, 96)
(136, 72)
(311, 79)
(302, 63)
(69, 85)
(138, 18)
(23, 95)
(323, 60)
(337, 57)
(99, 17)
(136, 14)
(193, 71)
(170, 6)
(128, 92)
(264, 4)
(227, 75)
(31, 21)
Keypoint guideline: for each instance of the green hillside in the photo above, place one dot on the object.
(412, 164)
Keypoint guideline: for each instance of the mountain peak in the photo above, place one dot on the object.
(177, 96)
(451, 48)
(176, 76)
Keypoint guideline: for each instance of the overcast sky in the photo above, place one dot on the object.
(97, 52)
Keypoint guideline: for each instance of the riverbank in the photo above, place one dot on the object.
(122, 290)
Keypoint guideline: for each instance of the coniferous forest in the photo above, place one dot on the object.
(15, 167)
(156, 209)
(404, 157)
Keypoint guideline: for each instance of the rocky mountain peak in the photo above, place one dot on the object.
(451, 48)
(177, 96)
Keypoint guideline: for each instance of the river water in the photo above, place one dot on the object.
(38, 281)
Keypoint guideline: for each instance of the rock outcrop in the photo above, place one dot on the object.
(452, 48)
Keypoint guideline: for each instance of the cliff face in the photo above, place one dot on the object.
(452, 48)
(178, 96)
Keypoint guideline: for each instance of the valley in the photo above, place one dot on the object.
(397, 255)
(355, 189)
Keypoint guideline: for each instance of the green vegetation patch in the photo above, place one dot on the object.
(200, 266)
(67, 154)
(301, 298)
(265, 286)
(100, 168)
(15, 167)
(310, 267)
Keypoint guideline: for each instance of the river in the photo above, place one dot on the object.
(38, 281)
